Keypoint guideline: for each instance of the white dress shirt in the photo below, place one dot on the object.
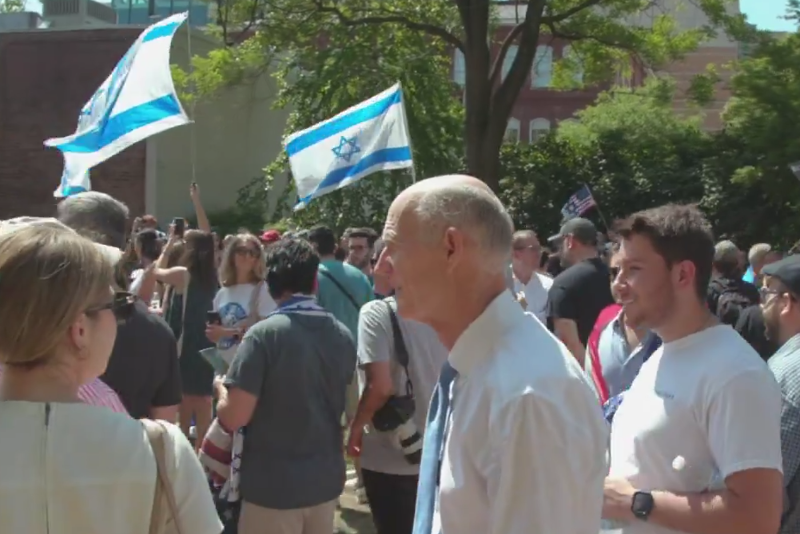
(525, 450)
(535, 294)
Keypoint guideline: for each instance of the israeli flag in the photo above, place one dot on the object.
(136, 101)
(369, 137)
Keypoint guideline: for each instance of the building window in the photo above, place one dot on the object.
(568, 53)
(542, 75)
(512, 131)
(459, 67)
(539, 128)
(511, 55)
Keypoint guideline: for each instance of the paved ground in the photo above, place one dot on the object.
(351, 517)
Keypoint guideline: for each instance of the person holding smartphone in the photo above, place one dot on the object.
(193, 287)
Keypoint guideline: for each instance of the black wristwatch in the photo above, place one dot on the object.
(642, 504)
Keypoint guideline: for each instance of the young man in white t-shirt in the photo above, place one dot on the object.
(695, 445)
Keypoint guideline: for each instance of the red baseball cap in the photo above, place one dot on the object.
(270, 236)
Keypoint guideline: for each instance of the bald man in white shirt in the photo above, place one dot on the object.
(515, 440)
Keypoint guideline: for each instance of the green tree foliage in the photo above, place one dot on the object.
(762, 119)
(328, 52)
(635, 153)
(12, 6)
(323, 69)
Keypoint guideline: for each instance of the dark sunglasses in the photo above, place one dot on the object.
(247, 251)
(121, 306)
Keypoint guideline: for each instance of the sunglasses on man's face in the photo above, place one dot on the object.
(121, 306)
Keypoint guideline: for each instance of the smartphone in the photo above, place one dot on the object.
(180, 226)
(213, 317)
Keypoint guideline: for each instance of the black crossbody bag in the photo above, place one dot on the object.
(399, 408)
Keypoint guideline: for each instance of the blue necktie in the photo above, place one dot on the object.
(432, 452)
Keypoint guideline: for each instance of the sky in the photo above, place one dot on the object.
(766, 14)
(763, 13)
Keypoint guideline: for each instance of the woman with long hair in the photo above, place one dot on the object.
(243, 298)
(194, 284)
(79, 467)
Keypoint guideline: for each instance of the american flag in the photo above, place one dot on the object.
(578, 204)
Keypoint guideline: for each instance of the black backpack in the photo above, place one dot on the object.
(732, 300)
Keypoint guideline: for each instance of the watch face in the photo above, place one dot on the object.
(642, 504)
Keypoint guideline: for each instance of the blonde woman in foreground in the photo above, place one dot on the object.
(68, 467)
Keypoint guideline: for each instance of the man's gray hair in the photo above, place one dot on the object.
(476, 212)
(96, 216)
(757, 253)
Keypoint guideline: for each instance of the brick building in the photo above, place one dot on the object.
(47, 77)
(539, 108)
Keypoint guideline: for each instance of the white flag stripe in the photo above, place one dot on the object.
(136, 101)
(367, 138)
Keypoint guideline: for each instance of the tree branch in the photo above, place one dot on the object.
(497, 66)
(431, 29)
(579, 37)
(505, 96)
(586, 4)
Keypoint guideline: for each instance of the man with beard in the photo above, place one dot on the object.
(780, 294)
(360, 242)
(581, 292)
(695, 445)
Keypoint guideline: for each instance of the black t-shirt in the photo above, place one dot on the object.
(143, 368)
(751, 327)
(580, 293)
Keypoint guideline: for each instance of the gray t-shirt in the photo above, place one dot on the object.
(299, 367)
(426, 356)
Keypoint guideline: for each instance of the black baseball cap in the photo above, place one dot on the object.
(581, 229)
(787, 271)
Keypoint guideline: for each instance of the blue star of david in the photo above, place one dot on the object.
(347, 148)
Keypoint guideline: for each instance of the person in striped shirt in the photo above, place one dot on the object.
(97, 393)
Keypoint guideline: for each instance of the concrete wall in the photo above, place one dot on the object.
(236, 135)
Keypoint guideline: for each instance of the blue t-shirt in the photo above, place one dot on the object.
(333, 299)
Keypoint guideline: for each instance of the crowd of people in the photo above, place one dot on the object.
(173, 380)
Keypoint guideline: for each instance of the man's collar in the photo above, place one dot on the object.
(792, 344)
(481, 336)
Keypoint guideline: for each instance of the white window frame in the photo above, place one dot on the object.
(508, 60)
(512, 134)
(459, 68)
(566, 52)
(542, 68)
(537, 129)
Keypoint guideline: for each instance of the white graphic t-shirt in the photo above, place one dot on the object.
(233, 305)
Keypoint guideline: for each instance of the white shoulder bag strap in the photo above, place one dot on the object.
(157, 436)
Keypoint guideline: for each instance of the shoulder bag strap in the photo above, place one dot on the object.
(330, 277)
(184, 297)
(157, 436)
(400, 348)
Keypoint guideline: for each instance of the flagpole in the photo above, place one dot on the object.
(408, 132)
(192, 105)
(597, 207)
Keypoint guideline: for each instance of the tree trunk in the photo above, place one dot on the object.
(483, 142)
(490, 97)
